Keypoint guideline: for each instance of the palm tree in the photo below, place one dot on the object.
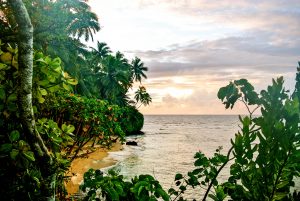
(142, 96)
(138, 69)
(59, 26)
(114, 78)
(101, 51)
(96, 57)
(123, 65)
(82, 22)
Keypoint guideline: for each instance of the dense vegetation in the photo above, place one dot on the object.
(59, 98)
(62, 95)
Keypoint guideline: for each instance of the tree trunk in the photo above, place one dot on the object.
(25, 59)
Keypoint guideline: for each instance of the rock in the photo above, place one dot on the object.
(132, 143)
(98, 172)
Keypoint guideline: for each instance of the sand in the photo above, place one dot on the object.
(95, 160)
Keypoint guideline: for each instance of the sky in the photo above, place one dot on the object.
(194, 47)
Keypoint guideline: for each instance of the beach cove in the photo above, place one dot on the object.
(96, 160)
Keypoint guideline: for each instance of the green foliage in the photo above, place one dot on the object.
(132, 120)
(204, 175)
(113, 187)
(19, 164)
(142, 96)
(115, 77)
(107, 76)
(55, 137)
(92, 118)
(137, 69)
(265, 151)
(49, 77)
(66, 122)
(238, 89)
(58, 27)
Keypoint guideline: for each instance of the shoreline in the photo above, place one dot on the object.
(96, 160)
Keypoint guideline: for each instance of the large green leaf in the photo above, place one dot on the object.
(72, 81)
(43, 82)
(12, 97)
(43, 91)
(14, 136)
(67, 128)
(14, 153)
(3, 66)
(67, 87)
(29, 155)
(163, 194)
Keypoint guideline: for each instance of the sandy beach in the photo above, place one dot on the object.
(95, 160)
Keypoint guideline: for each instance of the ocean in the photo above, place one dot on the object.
(170, 143)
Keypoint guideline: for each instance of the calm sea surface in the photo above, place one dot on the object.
(170, 142)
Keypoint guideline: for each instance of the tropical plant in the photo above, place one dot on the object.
(55, 21)
(37, 139)
(113, 187)
(58, 27)
(65, 122)
(142, 96)
(36, 147)
(114, 77)
(93, 119)
(101, 51)
(132, 120)
(267, 148)
(25, 156)
(138, 69)
(265, 151)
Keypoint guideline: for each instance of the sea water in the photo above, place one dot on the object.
(170, 143)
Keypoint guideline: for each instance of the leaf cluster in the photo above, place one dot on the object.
(114, 187)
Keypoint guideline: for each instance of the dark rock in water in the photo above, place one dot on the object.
(140, 133)
(98, 173)
(132, 143)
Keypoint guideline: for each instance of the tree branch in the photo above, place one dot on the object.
(218, 172)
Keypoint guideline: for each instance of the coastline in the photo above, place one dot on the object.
(96, 160)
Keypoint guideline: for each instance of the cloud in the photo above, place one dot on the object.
(222, 56)
(200, 102)
(153, 24)
(205, 66)
(194, 47)
(242, 13)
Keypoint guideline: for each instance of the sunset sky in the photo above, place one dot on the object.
(194, 47)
